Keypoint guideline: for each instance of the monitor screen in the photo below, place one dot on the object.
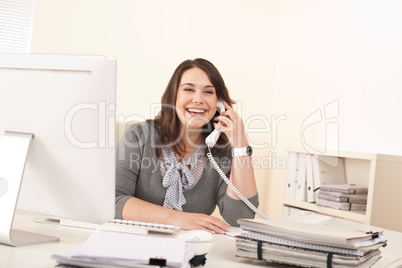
(67, 103)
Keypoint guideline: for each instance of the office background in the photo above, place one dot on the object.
(310, 74)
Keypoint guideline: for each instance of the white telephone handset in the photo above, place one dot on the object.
(210, 141)
(214, 136)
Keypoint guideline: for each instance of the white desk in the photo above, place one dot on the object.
(221, 253)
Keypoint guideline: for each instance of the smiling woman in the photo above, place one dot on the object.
(194, 84)
(163, 175)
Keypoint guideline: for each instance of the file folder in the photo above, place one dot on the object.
(310, 179)
(290, 191)
(301, 191)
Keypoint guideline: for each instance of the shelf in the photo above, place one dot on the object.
(359, 216)
(381, 173)
(359, 155)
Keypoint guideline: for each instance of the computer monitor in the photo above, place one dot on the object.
(57, 128)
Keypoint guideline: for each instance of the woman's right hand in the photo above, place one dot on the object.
(198, 221)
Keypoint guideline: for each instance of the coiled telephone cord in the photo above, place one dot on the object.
(234, 189)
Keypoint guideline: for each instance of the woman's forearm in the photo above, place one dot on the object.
(242, 177)
(138, 210)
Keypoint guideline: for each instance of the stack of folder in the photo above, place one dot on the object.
(343, 196)
(308, 245)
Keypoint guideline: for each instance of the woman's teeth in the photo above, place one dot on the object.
(196, 111)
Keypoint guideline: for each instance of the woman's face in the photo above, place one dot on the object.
(196, 99)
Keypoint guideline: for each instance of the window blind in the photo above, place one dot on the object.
(16, 18)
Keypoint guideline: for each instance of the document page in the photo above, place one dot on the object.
(133, 249)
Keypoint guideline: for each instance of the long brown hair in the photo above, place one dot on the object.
(170, 124)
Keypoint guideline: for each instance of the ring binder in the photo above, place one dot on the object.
(305, 245)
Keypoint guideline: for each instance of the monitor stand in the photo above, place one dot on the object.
(13, 155)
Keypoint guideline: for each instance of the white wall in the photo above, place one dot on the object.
(343, 51)
(286, 59)
(344, 56)
(150, 38)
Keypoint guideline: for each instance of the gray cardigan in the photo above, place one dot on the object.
(138, 175)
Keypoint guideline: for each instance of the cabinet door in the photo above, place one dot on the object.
(386, 207)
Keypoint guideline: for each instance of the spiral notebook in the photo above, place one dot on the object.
(326, 235)
(305, 245)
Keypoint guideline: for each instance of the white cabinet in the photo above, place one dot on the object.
(382, 174)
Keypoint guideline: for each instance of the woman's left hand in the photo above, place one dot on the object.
(232, 125)
(242, 172)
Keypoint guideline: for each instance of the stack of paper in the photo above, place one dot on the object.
(112, 249)
(343, 196)
(308, 245)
